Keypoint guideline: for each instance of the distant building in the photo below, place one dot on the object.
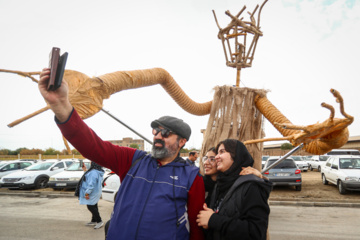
(275, 149)
(126, 142)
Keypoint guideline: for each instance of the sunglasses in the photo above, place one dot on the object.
(211, 159)
(164, 132)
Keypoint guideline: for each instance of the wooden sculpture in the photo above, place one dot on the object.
(242, 55)
(234, 113)
(87, 94)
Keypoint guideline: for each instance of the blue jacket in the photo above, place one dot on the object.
(156, 198)
(92, 186)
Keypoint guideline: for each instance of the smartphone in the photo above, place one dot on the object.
(57, 67)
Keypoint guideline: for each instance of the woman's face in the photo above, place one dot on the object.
(223, 159)
(210, 163)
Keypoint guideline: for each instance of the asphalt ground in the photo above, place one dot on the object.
(313, 194)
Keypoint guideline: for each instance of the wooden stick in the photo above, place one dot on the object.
(16, 122)
(216, 20)
(266, 140)
(262, 5)
(241, 11)
(24, 74)
(235, 35)
(238, 77)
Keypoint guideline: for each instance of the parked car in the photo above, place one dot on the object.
(36, 175)
(302, 165)
(307, 159)
(111, 188)
(285, 173)
(342, 171)
(69, 178)
(28, 160)
(343, 152)
(13, 166)
(317, 161)
(263, 161)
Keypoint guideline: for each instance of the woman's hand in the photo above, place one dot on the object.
(204, 216)
(251, 170)
(87, 197)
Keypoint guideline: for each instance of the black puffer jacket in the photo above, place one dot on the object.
(243, 212)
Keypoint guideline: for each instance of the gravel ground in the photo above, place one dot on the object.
(313, 190)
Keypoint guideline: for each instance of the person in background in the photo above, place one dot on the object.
(160, 194)
(239, 203)
(90, 192)
(192, 158)
(210, 172)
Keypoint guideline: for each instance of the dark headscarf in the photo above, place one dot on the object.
(93, 166)
(241, 157)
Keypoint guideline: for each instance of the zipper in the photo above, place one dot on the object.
(147, 198)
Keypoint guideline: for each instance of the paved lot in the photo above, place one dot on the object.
(314, 223)
(39, 218)
(35, 218)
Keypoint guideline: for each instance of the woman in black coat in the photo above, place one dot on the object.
(239, 204)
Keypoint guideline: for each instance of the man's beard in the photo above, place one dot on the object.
(164, 152)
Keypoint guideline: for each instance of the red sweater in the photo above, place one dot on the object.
(119, 160)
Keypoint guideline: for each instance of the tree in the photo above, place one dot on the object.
(134, 145)
(184, 150)
(31, 152)
(75, 152)
(51, 151)
(4, 151)
(286, 146)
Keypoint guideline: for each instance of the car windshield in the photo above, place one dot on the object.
(40, 166)
(2, 164)
(323, 158)
(264, 158)
(287, 163)
(350, 163)
(76, 166)
(297, 158)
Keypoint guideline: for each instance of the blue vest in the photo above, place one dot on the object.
(152, 201)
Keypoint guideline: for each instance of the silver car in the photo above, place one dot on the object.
(285, 173)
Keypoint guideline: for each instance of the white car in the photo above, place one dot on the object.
(70, 177)
(342, 151)
(111, 188)
(301, 163)
(13, 166)
(317, 162)
(35, 176)
(343, 171)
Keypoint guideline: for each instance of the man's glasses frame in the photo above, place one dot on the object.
(164, 132)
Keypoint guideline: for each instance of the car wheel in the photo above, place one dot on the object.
(305, 170)
(298, 188)
(41, 182)
(310, 167)
(341, 187)
(319, 169)
(324, 181)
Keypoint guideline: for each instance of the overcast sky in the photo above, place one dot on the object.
(308, 48)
